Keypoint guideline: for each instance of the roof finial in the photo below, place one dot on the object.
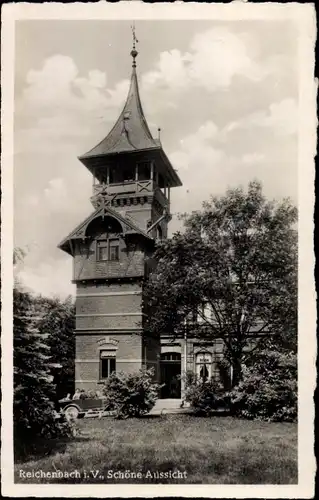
(134, 52)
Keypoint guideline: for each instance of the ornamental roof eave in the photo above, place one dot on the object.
(79, 233)
(87, 161)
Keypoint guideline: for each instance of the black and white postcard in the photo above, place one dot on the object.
(158, 296)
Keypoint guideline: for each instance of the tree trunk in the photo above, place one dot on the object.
(237, 372)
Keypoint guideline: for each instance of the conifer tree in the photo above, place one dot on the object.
(34, 392)
(59, 321)
(33, 388)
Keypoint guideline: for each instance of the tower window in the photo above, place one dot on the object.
(144, 171)
(128, 173)
(108, 250)
(114, 249)
(102, 250)
(107, 364)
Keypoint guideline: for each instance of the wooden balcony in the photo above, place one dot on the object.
(144, 187)
(126, 187)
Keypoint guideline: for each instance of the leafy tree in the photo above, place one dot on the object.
(58, 320)
(235, 268)
(34, 392)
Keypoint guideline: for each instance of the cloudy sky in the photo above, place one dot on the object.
(225, 95)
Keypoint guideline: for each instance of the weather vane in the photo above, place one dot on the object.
(134, 52)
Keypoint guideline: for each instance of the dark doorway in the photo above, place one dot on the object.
(171, 375)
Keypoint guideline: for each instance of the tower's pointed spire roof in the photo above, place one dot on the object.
(131, 131)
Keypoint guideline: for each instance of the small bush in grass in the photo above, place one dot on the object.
(131, 394)
(205, 397)
(268, 389)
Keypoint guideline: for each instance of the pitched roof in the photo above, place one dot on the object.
(130, 132)
(80, 231)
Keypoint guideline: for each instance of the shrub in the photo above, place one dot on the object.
(205, 397)
(189, 378)
(132, 394)
(268, 389)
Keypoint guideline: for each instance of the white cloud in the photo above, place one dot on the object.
(49, 278)
(281, 118)
(198, 162)
(57, 86)
(32, 201)
(119, 93)
(171, 70)
(197, 149)
(97, 79)
(193, 92)
(58, 106)
(52, 81)
(208, 164)
(214, 58)
(253, 158)
(218, 55)
(56, 195)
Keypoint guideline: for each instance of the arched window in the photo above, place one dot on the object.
(159, 233)
(204, 366)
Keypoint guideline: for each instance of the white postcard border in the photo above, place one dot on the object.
(304, 15)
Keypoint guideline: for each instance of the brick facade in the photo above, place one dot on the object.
(111, 308)
(87, 267)
(112, 248)
(128, 350)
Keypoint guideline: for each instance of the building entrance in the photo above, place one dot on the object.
(171, 375)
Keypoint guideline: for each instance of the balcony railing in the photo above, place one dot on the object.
(134, 187)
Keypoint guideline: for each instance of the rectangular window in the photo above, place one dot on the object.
(102, 253)
(108, 250)
(114, 250)
(129, 174)
(144, 171)
(107, 364)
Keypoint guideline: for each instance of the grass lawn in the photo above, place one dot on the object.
(215, 450)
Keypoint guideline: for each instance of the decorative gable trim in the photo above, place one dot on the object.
(79, 232)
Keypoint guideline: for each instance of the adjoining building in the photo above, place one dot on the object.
(112, 252)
